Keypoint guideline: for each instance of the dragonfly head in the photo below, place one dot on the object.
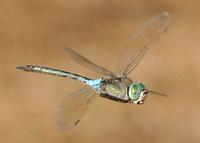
(137, 93)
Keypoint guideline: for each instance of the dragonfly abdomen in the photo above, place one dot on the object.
(55, 72)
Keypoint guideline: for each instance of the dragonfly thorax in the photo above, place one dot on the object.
(116, 89)
(137, 93)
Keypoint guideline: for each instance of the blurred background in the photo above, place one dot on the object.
(36, 32)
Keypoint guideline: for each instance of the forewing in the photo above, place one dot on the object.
(88, 64)
(72, 109)
(138, 44)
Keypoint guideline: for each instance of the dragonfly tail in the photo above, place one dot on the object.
(55, 72)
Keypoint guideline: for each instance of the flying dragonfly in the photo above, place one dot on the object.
(117, 86)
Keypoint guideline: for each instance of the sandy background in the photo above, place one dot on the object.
(36, 32)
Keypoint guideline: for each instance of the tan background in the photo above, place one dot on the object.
(36, 32)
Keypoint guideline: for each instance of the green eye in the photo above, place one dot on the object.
(132, 90)
(135, 90)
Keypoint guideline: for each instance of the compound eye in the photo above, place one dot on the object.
(135, 91)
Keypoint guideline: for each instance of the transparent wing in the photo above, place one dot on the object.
(133, 62)
(72, 109)
(88, 64)
(137, 46)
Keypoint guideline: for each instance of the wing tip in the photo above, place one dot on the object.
(166, 17)
(166, 14)
(62, 126)
(161, 21)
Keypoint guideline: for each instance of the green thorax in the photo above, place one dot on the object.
(116, 89)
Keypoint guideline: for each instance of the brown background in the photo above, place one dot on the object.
(36, 32)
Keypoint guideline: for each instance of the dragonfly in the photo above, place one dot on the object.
(118, 86)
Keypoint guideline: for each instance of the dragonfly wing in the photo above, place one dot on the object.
(72, 109)
(88, 64)
(139, 42)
